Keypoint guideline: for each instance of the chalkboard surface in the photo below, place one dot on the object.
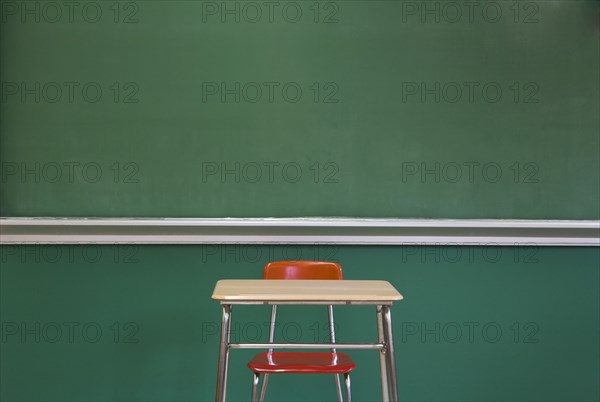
(331, 108)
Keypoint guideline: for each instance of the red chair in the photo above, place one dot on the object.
(301, 362)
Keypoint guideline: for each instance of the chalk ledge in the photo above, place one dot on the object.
(313, 230)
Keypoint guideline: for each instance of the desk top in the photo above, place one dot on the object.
(272, 290)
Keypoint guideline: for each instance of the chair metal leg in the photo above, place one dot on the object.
(338, 385)
(255, 386)
(348, 390)
(263, 388)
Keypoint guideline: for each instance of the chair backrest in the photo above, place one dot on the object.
(302, 269)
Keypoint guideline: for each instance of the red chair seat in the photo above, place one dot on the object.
(302, 363)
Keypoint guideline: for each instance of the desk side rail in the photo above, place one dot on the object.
(312, 302)
(307, 345)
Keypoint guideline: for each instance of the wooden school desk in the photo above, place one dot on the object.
(302, 292)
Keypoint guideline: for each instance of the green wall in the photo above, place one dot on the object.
(158, 323)
(489, 114)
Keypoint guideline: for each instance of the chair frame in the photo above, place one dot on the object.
(256, 378)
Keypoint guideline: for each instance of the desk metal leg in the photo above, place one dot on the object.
(223, 354)
(382, 357)
(391, 359)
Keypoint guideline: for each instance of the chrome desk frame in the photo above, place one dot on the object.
(385, 344)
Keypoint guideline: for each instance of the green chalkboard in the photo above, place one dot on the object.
(330, 108)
